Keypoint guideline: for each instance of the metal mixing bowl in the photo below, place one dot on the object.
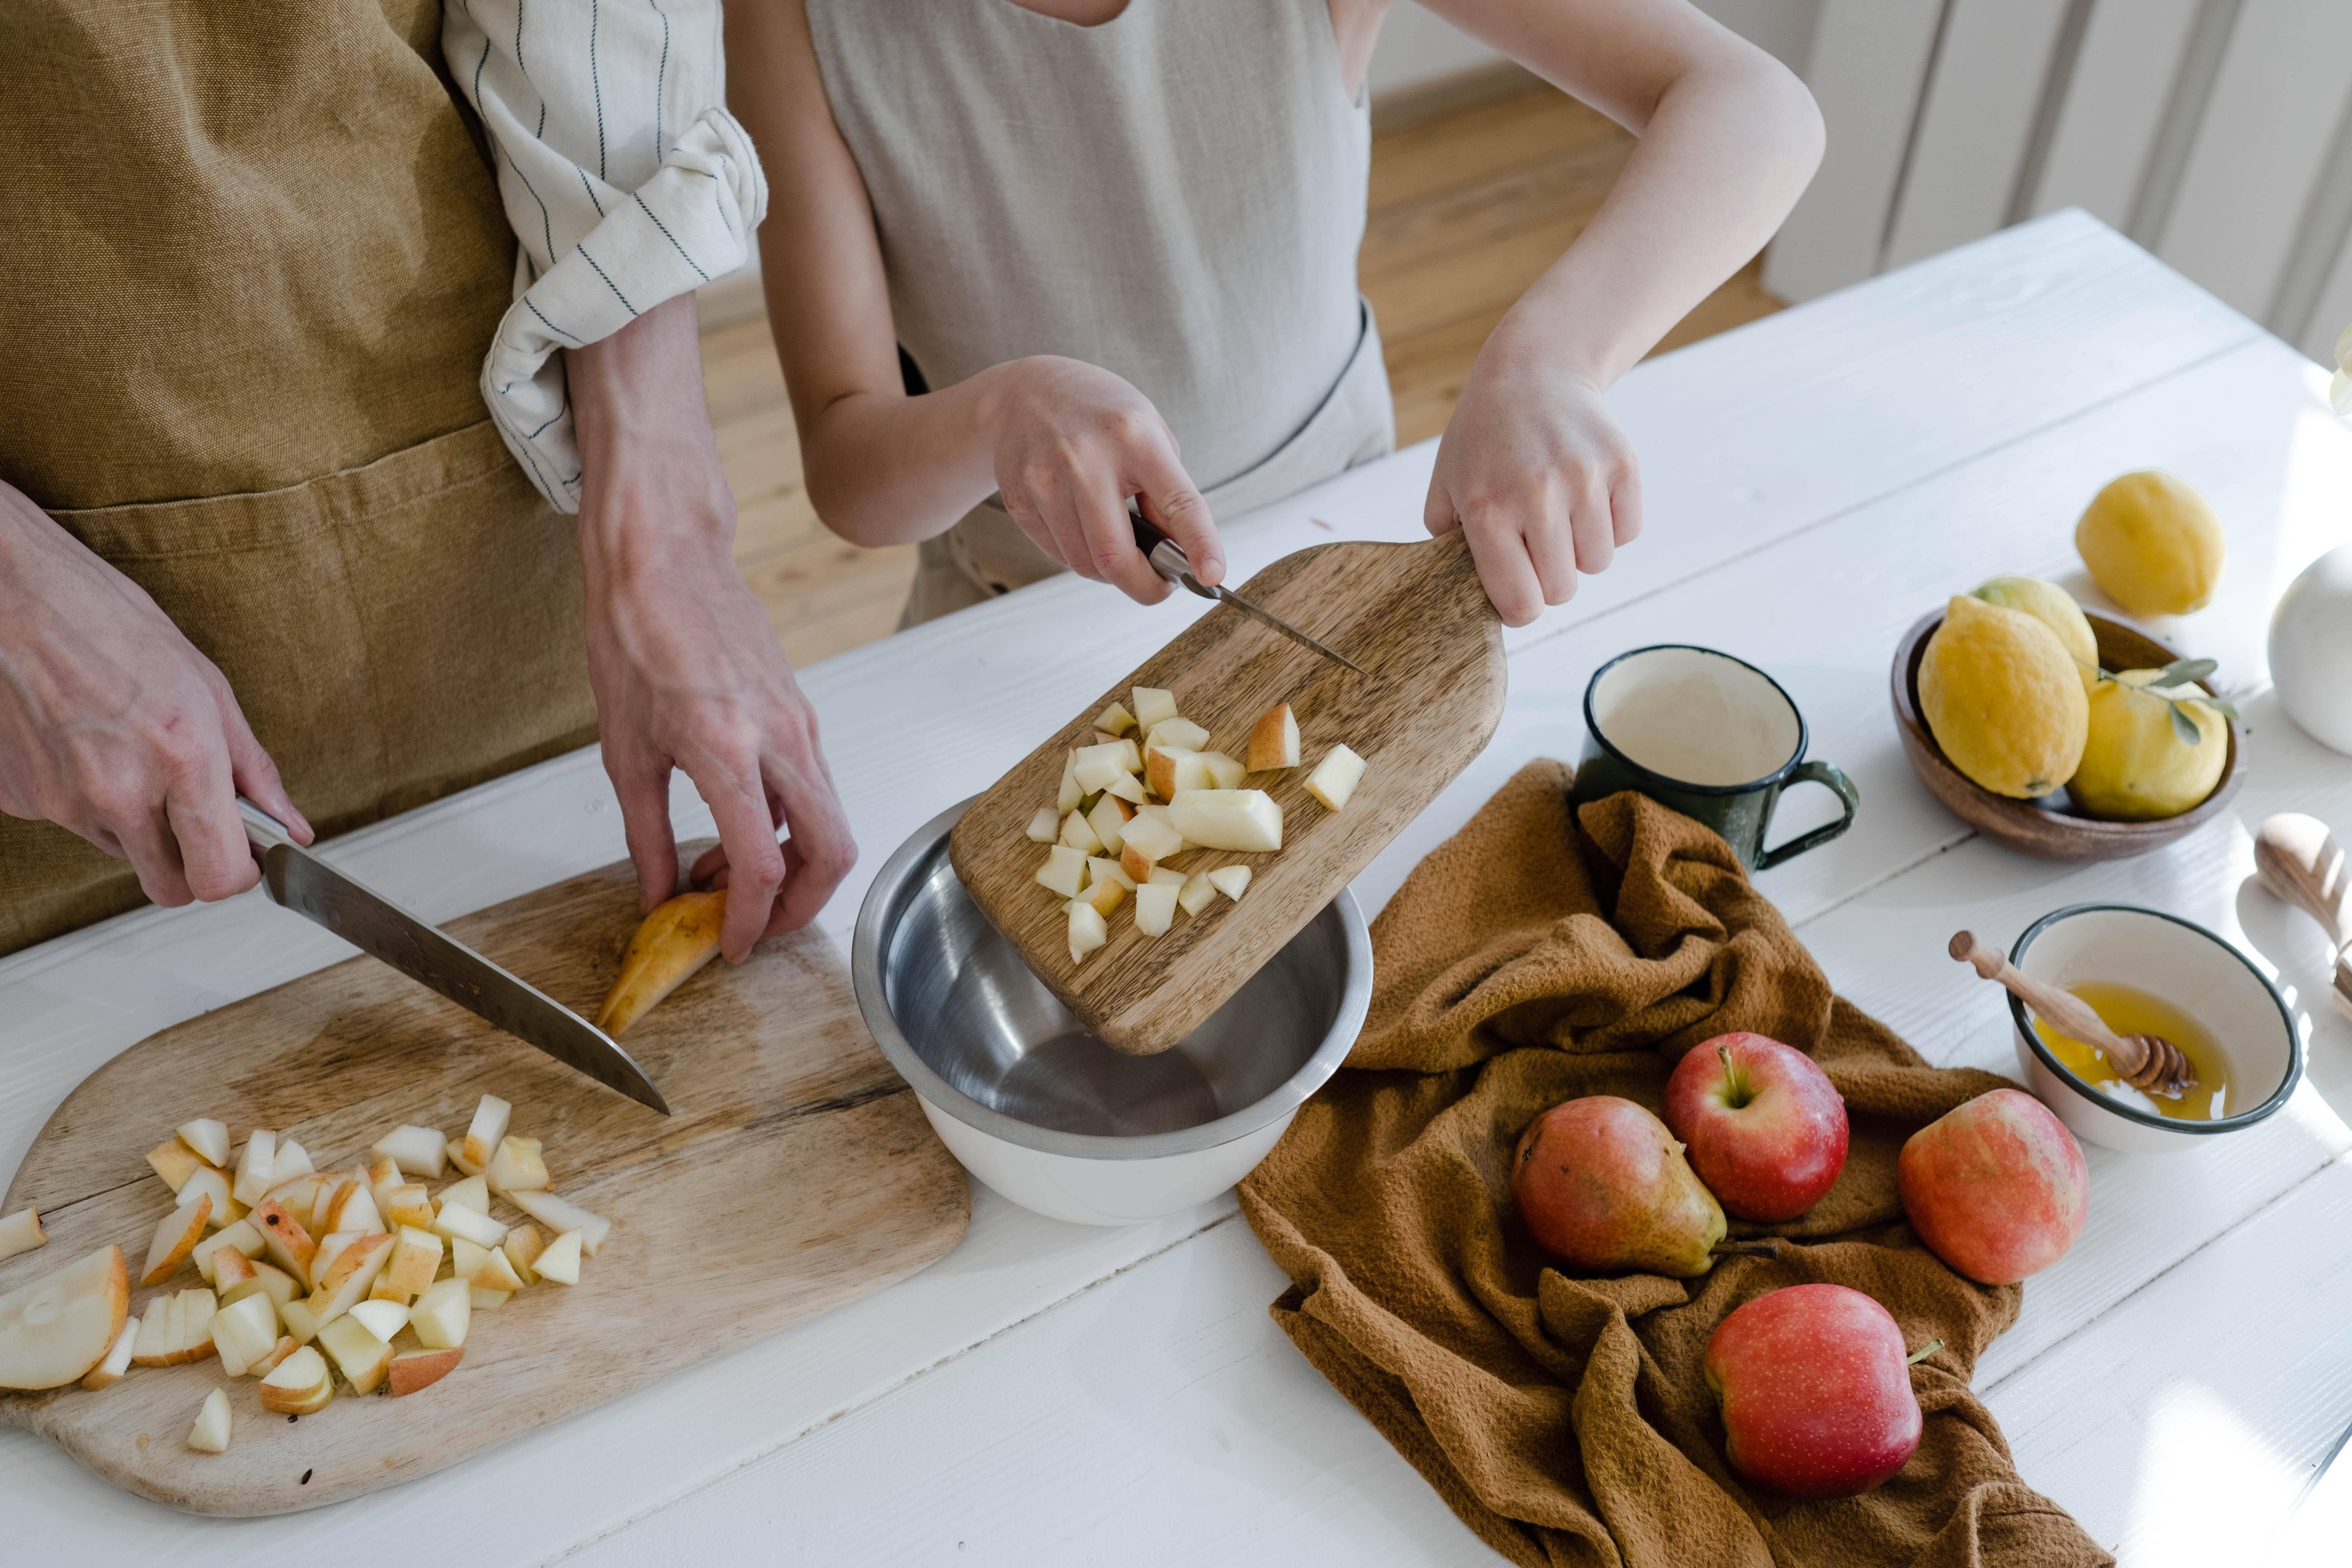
(1038, 1108)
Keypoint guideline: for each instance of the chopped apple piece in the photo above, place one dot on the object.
(231, 1270)
(489, 1126)
(1336, 776)
(561, 1261)
(291, 1160)
(473, 1193)
(1273, 740)
(210, 1434)
(204, 1181)
(416, 1258)
(1162, 874)
(1109, 817)
(1115, 720)
(558, 1216)
(1157, 809)
(277, 1356)
(518, 1166)
(465, 1256)
(154, 1340)
(456, 1221)
(1102, 897)
(417, 1151)
(440, 1317)
(356, 1210)
(1046, 825)
(1128, 788)
(329, 1247)
(1079, 834)
(254, 1168)
(343, 1284)
(1151, 835)
(1063, 872)
(669, 947)
(1097, 767)
(109, 1373)
(286, 1238)
(1196, 893)
(1231, 879)
(1067, 798)
(177, 1235)
(458, 1163)
(208, 1138)
(382, 1319)
(494, 1272)
(1109, 870)
(21, 1232)
(53, 1330)
(486, 1300)
(523, 1244)
(1177, 736)
(1154, 705)
(299, 1386)
(384, 1174)
(243, 1239)
(243, 1330)
(177, 1330)
(299, 1321)
(413, 1370)
(174, 1162)
(1088, 932)
(407, 1205)
(1173, 768)
(1224, 771)
(1155, 908)
(1135, 863)
(359, 1355)
(1247, 820)
(267, 1280)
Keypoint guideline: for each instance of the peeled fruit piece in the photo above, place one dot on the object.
(359, 1355)
(1177, 736)
(288, 1242)
(559, 1216)
(1063, 872)
(1109, 817)
(491, 1115)
(1173, 768)
(1104, 894)
(2053, 607)
(382, 1319)
(518, 1166)
(1229, 879)
(299, 1386)
(1603, 1186)
(278, 1354)
(465, 1167)
(1224, 771)
(1196, 893)
(243, 1331)
(560, 1260)
(1247, 820)
(254, 1168)
(1069, 794)
(1155, 908)
(177, 1235)
(265, 1278)
(1152, 837)
(242, 1238)
(208, 1138)
(416, 1150)
(1816, 1391)
(523, 1244)
(21, 1232)
(454, 1221)
(2152, 544)
(1115, 720)
(1087, 930)
(1153, 706)
(1097, 767)
(210, 1434)
(344, 1283)
(414, 1369)
(1079, 834)
(109, 1371)
(441, 1316)
(207, 1183)
(1046, 825)
(473, 1193)
(677, 939)
(290, 1160)
(1128, 788)
(2136, 767)
(2002, 699)
(172, 1160)
(487, 1300)
(61, 1326)
(407, 1205)
(1274, 741)
(1336, 776)
(1996, 1187)
(177, 1329)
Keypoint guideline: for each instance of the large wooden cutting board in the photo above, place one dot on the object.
(1416, 617)
(796, 1173)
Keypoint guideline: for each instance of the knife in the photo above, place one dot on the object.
(1167, 559)
(375, 925)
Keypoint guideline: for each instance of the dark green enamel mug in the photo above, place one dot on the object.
(1710, 735)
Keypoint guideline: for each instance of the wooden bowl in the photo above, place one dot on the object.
(2053, 827)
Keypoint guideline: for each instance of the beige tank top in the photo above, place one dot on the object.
(1176, 195)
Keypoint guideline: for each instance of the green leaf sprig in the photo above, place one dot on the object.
(2182, 672)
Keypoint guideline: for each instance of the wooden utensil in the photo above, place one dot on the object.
(2300, 862)
(2148, 1062)
(795, 1174)
(1416, 618)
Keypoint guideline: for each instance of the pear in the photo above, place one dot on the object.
(1604, 1187)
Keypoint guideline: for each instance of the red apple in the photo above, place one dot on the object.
(1603, 1186)
(1765, 1128)
(1995, 1187)
(1815, 1391)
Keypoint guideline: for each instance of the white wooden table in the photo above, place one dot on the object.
(1050, 1394)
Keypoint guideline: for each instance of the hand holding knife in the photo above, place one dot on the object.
(1167, 559)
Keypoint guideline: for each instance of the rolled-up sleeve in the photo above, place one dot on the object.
(626, 179)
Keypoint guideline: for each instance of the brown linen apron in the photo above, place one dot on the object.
(255, 256)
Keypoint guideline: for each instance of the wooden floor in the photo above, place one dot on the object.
(1467, 208)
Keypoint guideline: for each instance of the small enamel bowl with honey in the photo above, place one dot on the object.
(2150, 974)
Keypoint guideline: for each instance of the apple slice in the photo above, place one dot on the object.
(384, 1174)
(277, 1356)
(494, 1272)
(383, 1319)
(1196, 893)
(1335, 777)
(243, 1239)
(1063, 872)
(561, 1261)
(267, 1280)
(1097, 767)
(177, 1330)
(1172, 769)
(299, 1386)
(485, 1301)
(109, 1373)
(210, 1434)
(243, 1331)
(255, 1168)
(406, 1204)
(1067, 798)
(456, 1221)
(208, 1138)
(355, 1209)
(1102, 895)
(1135, 864)
(21, 1232)
(155, 1337)
(417, 1151)
(670, 946)
(1152, 837)
(231, 1270)
(473, 1193)
(489, 1125)
(1231, 879)
(55, 1328)
(1115, 720)
(1105, 869)
(458, 1163)
(344, 1283)
(1046, 825)
(1273, 740)
(1080, 834)
(291, 1160)
(1163, 874)
(1242, 819)
(1155, 908)
(1128, 788)
(416, 1258)
(286, 1239)
(413, 1370)
(440, 1317)
(359, 1355)
(1154, 705)
(207, 1183)
(465, 1256)
(1109, 817)
(523, 1244)
(518, 1166)
(177, 1235)
(558, 1217)
(1088, 932)
(174, 1162)
(1177, 736)
(1224, 771)
(299, 1321)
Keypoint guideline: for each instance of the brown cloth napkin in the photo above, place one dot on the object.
(1531, 959)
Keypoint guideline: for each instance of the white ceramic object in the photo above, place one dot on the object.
(2311, 649)
(2187, 967)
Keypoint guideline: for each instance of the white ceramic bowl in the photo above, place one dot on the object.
(1048, 1115)
(2187, 967)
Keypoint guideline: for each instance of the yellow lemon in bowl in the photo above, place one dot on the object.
(2053, 607)
(2001, 696)
(2152, 544)
(2136, 765)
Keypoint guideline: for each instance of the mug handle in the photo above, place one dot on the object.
(1813, 773)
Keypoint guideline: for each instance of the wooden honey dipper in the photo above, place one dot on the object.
(2300, 862)
(2150, 1062)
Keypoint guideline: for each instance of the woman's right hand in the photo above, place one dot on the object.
(1071, 443)
(112, 725)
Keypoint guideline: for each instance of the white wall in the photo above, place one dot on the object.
(1417, 46)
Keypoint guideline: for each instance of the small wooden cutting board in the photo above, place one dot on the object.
(1417, 618)
(796, 1173)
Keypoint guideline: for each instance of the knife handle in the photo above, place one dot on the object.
(262, 830)
(1167, 556)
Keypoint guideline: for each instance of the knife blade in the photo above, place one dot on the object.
(1167, 559)
(300, 881)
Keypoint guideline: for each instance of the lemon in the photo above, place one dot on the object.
(2135, 766)
(2001, 698)
(2055, 608)
(2152, 544)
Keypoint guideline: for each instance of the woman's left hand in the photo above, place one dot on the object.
(1533, 468)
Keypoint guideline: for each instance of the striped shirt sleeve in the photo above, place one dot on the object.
(626, 180)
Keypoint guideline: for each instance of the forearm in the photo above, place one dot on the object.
(886, 469)
(651, 481)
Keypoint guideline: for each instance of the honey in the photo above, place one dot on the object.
(2128, 1010)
